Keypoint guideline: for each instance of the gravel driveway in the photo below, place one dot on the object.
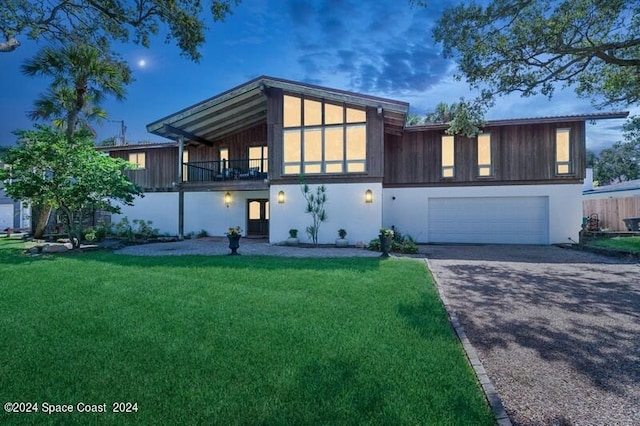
(557, 330)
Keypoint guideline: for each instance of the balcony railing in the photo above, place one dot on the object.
(209, 171)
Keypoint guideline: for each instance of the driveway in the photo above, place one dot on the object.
(557, 330)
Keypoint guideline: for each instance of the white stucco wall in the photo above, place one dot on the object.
(202, 210)
(159, 207)
(207, 210)
(408, 211)
(345, 208)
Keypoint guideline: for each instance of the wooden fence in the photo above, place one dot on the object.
(611, 211)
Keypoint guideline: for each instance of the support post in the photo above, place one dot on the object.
(180, 190)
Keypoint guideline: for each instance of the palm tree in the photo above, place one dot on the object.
(82, 76)
(444, 113)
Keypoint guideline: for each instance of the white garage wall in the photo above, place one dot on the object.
(408, 211)
(159, 207)
(345, 208)
(6, 216)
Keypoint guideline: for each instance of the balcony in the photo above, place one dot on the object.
(225, 170)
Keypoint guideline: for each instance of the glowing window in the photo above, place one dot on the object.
(448, 157)
(138, 159)
(484, 155)
(563, 151)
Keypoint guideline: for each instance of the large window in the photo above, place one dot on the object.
(321, 137)
(138, 159)
(563, 152)
(258, 157)
(448, 157)
(484, 155)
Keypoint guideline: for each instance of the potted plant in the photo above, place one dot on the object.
(293, 237)
(386, 238)
(342, 241)
(233, 234)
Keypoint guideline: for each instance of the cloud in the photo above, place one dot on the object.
(384, 48)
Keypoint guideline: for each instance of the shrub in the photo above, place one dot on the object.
(293, 233)
(342, 233)
(202, 234)
(400, 244)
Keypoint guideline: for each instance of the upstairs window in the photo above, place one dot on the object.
(484, 155)
(138, 159)
(321, 137)
(563, 152)
(448, 156)
(185, 166)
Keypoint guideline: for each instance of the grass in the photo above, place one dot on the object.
(230, 340)
(628, 244)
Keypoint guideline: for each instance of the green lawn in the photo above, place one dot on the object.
(629, 244)
(230, 340)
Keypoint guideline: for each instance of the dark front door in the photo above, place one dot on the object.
(258, 217)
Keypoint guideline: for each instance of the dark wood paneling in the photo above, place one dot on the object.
(375, 145)
(161, 169)
(520, 153)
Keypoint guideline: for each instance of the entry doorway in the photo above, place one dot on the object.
(258, 217)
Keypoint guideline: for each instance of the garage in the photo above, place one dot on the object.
(6, 216)
(489, 220)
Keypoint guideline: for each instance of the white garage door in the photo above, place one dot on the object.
(489, 220)
(6, 216)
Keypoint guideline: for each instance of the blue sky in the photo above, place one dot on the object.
(381, 48)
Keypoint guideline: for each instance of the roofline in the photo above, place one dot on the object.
(608, 191)
(137, 146)
(288, 85)
(531, 120)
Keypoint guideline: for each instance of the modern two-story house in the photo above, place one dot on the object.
(238, 159)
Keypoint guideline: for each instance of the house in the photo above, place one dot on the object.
(13, 214)
(612, 204)
(238, 157)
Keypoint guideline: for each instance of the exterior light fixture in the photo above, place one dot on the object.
(281, 197)
(227, 198)
(379, 110)
(368, 196)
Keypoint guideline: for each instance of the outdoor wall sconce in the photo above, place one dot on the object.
(368, 196)
(281, 197)
(227, 198)
(379, 110)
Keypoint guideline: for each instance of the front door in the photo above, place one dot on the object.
(258, 217)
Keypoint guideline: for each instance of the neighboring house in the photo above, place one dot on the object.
(242, 153)
(13, 214)
(613, 203)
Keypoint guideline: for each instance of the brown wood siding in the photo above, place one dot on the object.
(238, 144)
(275, 131)
(611, 211)
(161, 168)
(375, 145)
(520, 154)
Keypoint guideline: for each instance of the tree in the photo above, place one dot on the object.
(621, 162)
(463, 117)
(82, 76)
(72, 177)
(531, 46)
(100, 22)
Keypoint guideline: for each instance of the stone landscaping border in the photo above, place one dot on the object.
(489, 390)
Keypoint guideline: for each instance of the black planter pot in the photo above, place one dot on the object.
(385, 244)
(234, 244)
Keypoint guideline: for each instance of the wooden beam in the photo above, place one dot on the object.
(179, 132)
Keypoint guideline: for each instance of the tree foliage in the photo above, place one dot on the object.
(621, 162)
(81, 77)
(100, 22)
(532, 46)
(70, 176)
(465, 118)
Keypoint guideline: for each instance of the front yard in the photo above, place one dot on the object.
(624, 244)
(229, 340)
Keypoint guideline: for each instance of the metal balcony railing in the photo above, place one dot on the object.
(210, 171)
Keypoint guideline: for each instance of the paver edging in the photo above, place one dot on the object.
(489, 390)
